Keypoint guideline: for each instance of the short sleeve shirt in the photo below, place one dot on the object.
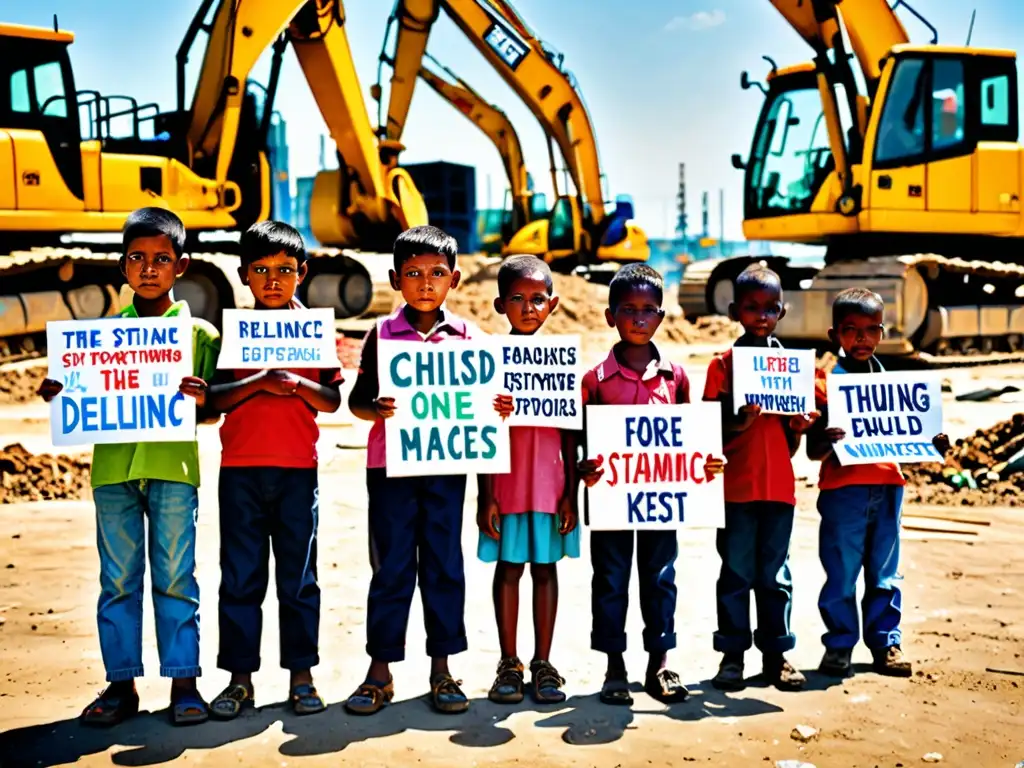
(759, 467)
(610, 383)
(173, 462)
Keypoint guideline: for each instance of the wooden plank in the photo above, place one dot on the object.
(948, 518)
(928, 529)
(956, 537)
(910, 522)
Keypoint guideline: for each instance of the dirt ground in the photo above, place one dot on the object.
(963, 621)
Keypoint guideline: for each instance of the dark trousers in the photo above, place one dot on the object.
(611, 554)
(415, 529)
(260, 507)
(754, 547)
(860, 530)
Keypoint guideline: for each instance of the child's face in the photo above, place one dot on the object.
(858, 334)
(273, 279)
(527, 304)
(759, 311)
(637, 317)
(424, 281)
(150, 266)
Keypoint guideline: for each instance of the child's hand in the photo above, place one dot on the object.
(713, 466)
(504, 405)
(941, 443)
(193, 386)
(385, 407)
(803, 421)
(487, 518)
(49, 389)
(834, 434)
(748, 413)
(590, 470)
(280, 382)
(568, 517)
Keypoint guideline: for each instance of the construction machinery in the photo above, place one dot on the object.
(914, 185)
(580, 231)
(65, 168)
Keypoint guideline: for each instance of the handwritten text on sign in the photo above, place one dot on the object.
(286, 338)
(444, 421)
(778, 380)
(543, 375)
(121, 379)
(887, 417)
(653, 460)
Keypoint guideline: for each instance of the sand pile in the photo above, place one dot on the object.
(19, 385)
(28, 477)
(580, 309)
(983, 469)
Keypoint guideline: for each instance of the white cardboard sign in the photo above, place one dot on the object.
(543, 374)
(779, 380)
(286, 338)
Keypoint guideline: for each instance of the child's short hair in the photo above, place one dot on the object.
(268, 238)
(517, 267)
(153, 222)
(420, 241)
(756, 277)
(632, 277)
(855, 301)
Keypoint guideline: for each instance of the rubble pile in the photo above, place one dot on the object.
(29, 477)
(986, 468)
(19, 385)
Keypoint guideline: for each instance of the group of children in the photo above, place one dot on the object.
(268, 497)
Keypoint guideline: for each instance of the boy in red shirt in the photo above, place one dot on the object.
(860, 511)
(269, 493)
(760, 498)
(634, 373)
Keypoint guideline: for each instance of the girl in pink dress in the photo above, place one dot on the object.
(531, 516)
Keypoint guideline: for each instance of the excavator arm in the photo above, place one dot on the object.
(494, 124)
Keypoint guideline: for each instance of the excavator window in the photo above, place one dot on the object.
(901, 135)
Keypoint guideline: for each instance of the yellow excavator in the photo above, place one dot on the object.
(580, 230)
(914, 185)
(521, 205)
(77, 161)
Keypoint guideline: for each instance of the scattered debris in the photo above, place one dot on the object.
(986, 468)
(1014, 672)
(932, 757)
(981, 395)
(19, 384)
(29, 477)
(804, 733)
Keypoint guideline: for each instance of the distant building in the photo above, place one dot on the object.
(449, 191)
(280, 184)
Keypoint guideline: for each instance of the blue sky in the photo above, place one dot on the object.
(660, 77)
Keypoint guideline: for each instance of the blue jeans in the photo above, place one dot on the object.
(754, 547)
(860, 528)
(172, 509)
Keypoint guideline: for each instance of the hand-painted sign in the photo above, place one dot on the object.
(293, 338)
(543, 374)
(121, 379)
(653, 458)
(778, 380)
(887, 417)
(444, 420)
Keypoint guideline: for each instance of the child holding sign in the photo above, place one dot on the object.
(860, 511)
(159, 481)
(412, 519)
(634, 373)
(269, 491)
(760, 497)
(531, 514)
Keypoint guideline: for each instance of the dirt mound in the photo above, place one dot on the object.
(42, 477)
(982, 469)
(580, 309)
(19, 385)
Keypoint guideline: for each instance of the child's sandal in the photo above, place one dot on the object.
(547, 683)
(231, 701)
(666, 686)
(305, 700)
(189, 709)
(615, 692)
(446, 695)
(371, 697)
(110, 709)
(508, 685)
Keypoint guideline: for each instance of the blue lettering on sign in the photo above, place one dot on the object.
(891, 450)
(662, 431)
(645, 506)
(112, 413)
(506, 44)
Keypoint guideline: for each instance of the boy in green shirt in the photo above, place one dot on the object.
(133, 481)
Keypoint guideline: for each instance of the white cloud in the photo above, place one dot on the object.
(696, 21)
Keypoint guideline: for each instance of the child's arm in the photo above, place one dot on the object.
(222, 398)
(319, 395)
(363, 400)
(716, 388)
(487, 512)
(197, 388)
(568, 506)
(49, 389)
(795, 428)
